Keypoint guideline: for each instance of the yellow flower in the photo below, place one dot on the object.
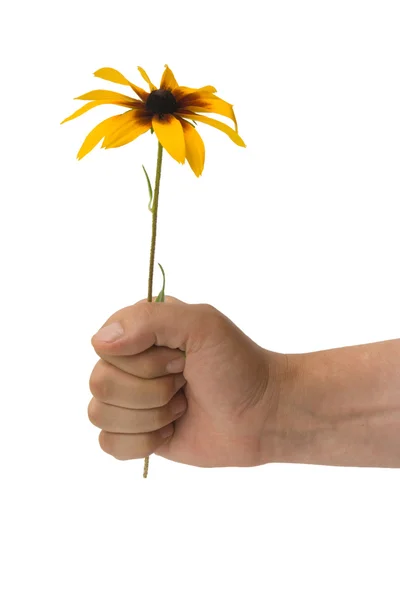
(165, 110)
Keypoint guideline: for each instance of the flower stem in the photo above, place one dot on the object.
(152, 250)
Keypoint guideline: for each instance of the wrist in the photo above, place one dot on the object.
(296, 430)
(297, 422)
(281, 401)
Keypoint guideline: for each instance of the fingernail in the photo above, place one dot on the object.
(109, 333)
(178, 406)
(176, 365)
(167, 431)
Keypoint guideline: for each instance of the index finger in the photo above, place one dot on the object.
(148, 364)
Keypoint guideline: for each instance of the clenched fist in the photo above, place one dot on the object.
(215, 407)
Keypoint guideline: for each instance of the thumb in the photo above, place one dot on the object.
(174, 324)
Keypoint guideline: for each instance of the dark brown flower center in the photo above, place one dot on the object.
(161, 102)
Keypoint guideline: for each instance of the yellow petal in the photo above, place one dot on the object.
(208, 104)
(126, 126)
(96, 135)
(103, 97)
(182, 91)
(195, 150)
(111, 96)
(168, 81)
(170, 135)
(127, 135)
(147, 79)
(124, 120)
(111, 75)
(235, 137)
(116, 77)
(82, 110)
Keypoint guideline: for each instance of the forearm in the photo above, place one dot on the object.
(341, 407)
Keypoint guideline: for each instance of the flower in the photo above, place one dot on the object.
(164, 110)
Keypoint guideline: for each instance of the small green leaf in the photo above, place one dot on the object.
(152, 130)
(150, 189)
(161, 295)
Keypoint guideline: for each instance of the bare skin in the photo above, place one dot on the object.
(234, 403)
(343, 407)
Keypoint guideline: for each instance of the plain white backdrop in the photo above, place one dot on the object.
(295, 238)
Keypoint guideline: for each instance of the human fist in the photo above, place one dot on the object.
(214, 409)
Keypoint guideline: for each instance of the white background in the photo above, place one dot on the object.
(295, 238)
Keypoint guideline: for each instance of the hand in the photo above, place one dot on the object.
(217, 410)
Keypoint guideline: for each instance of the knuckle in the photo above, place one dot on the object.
(209, 309)
(108, 443)
(94, 412)
(105, 442)
(208, 321)
(214, 318)
(98, 382)
(209, 314)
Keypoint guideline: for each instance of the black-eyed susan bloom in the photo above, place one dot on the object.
(167, 110)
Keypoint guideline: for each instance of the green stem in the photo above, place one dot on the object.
(153, 250)
(154, 227)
